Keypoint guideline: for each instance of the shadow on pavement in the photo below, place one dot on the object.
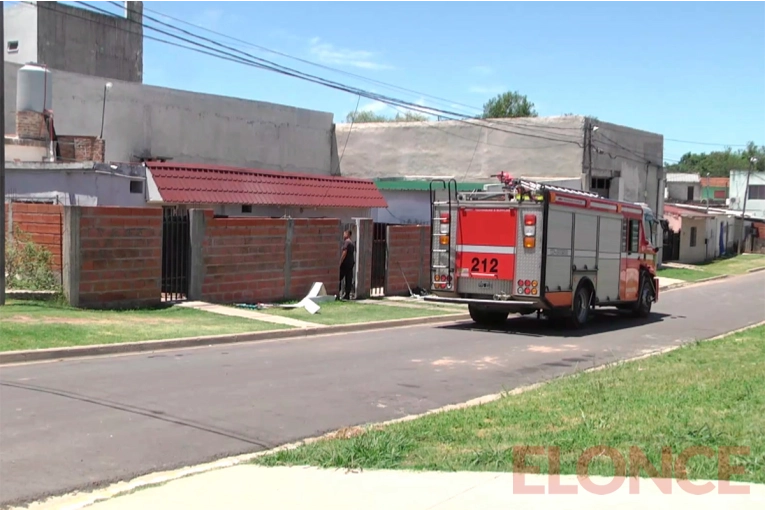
(602, 322)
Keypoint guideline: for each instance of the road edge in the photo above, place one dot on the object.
(87, 351)
(61, 353)
(79, 500)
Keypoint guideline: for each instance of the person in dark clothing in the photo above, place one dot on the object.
(347, 263)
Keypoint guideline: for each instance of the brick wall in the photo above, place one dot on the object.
(315, 255)
(243, 259)
(252, 260)
(42, 223)
(31, 125)
(120, 257)
(80, 148)
(408, 252)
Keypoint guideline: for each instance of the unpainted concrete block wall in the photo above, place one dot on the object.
(42, 223)
(262, 259)
(408, 259)
(119, 260)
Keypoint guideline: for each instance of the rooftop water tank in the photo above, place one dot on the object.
(34, 89)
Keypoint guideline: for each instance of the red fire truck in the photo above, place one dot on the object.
(528, 247)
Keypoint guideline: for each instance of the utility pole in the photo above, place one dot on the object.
(752, 162)
(707, 192)
(2, 162)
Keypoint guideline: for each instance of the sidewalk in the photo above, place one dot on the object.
(249, 486)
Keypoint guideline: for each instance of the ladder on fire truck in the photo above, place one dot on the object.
(451, 201)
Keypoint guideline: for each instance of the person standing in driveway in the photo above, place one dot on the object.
(347, 263)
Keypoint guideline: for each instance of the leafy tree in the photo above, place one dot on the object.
(366, 116)
(719, 163)
(508, 105)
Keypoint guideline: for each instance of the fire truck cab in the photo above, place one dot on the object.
(528, 247)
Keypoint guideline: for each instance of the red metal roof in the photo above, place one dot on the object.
(687, 213)
(716, 182)
(192, 183)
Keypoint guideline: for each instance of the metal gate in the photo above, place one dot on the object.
(176, 254)
(670, 246)
(379, 258)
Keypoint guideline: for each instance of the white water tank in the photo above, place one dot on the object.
(34, 89)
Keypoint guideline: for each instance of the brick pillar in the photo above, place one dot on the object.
(31, 125)
(99, 149)
(424, 276)
(363, 278)
(71, 263)
(197, 227)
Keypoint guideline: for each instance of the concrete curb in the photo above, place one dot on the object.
(704, 280)
(756, 269)
(78, 500)
(60, 353)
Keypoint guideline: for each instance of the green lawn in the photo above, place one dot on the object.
(704, 394)
(348, 312)
(39, 325)
(729, 266)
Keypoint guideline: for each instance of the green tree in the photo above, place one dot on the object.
(366, 116)
(719, 163)
(508, 105)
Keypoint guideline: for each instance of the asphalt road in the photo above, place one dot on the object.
(83, 423)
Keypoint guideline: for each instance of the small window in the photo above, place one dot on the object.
(13, 46)
(757, 192)
(246, 209)
(136, 186)
(634, 236)
(693, 237)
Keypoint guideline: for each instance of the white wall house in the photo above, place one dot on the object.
(755, 193)
(683, 187)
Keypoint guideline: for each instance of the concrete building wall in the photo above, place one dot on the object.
(698, 252)
(754, 207)
(78, 40)
(73, 186)
(628, 160)
(404, 207)
(143, 121)
(20, 27)
(678, 191)
(632, 159)
(464, 150)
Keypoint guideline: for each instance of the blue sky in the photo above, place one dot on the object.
(691, 71)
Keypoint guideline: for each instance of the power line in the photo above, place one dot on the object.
(706, 143)
(266, 64)
(270, 66)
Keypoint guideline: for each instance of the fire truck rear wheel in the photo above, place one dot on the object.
(580, 314)
(488, 318)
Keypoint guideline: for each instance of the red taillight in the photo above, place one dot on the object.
(445, 218)
(527, 283)
(527, 291)
(529, 220)
(520, 283)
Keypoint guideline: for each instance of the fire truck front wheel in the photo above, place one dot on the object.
(642, 307)
(489, 318)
